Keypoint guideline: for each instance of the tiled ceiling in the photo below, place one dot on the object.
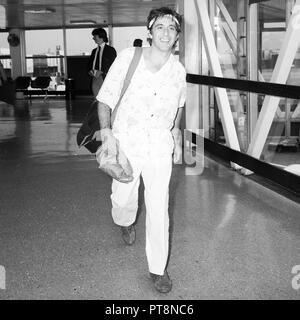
(72, 13)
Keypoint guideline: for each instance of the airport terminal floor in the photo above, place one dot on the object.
(231, 237)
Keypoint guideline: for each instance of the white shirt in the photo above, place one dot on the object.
(101, 48)
(149, 106)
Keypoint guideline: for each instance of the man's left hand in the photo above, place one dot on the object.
(177, 154)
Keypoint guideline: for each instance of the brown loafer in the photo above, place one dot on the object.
(162, 283)
(128, 234)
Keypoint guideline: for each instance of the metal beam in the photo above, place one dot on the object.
(231, 39)
(252, 49)
(256, 1)
(227, 17)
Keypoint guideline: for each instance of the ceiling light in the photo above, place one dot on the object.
(40, 10)
(83, 22)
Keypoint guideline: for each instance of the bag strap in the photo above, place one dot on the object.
(131, 69)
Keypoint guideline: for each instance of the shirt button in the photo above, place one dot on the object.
(152, 115)
(155, 93)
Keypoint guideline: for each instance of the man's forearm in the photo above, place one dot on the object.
(104, 115)
(176, 132)
(178, 118)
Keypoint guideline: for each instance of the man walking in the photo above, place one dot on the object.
(100, 60)
(147, 130)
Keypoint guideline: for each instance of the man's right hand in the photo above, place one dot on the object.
(109, 142)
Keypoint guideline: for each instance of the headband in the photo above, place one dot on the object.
(167, 15)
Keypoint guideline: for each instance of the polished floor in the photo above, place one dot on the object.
(231, 237)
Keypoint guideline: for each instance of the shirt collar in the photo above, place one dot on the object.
(169, 63)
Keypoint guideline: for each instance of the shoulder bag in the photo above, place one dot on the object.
(86, 133)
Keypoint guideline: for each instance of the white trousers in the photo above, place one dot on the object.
(156, 175)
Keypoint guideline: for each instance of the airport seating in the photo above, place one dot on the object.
(22, 84)
(42, 83)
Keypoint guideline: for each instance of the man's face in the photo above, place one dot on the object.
(97, 40)
(164, 33)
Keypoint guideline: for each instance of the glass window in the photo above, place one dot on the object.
(123, 37)
(4, 46)
(44, 42)
(80, 41)
(44, 53)
(225, 36)
(285, 128)
(271, 42)
(5, 53)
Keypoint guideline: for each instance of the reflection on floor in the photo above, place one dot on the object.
(231, 238)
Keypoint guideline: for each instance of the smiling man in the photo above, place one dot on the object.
(147, 130)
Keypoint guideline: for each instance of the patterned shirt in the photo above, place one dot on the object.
(149, 106)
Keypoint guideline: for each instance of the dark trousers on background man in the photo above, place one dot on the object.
(96, 82)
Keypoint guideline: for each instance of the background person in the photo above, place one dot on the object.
(138, 43)
(3, 77)
(100, 60)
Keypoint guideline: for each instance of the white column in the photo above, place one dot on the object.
(110, 35)
(18, 54)
(190, 56)
(65, 52)
(252, 49)
(192, 46)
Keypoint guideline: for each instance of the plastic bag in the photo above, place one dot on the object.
(115, 164)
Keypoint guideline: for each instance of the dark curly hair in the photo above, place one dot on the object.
(161, 12)
(101, 33)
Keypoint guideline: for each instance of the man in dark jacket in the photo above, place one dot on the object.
(100, 60)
